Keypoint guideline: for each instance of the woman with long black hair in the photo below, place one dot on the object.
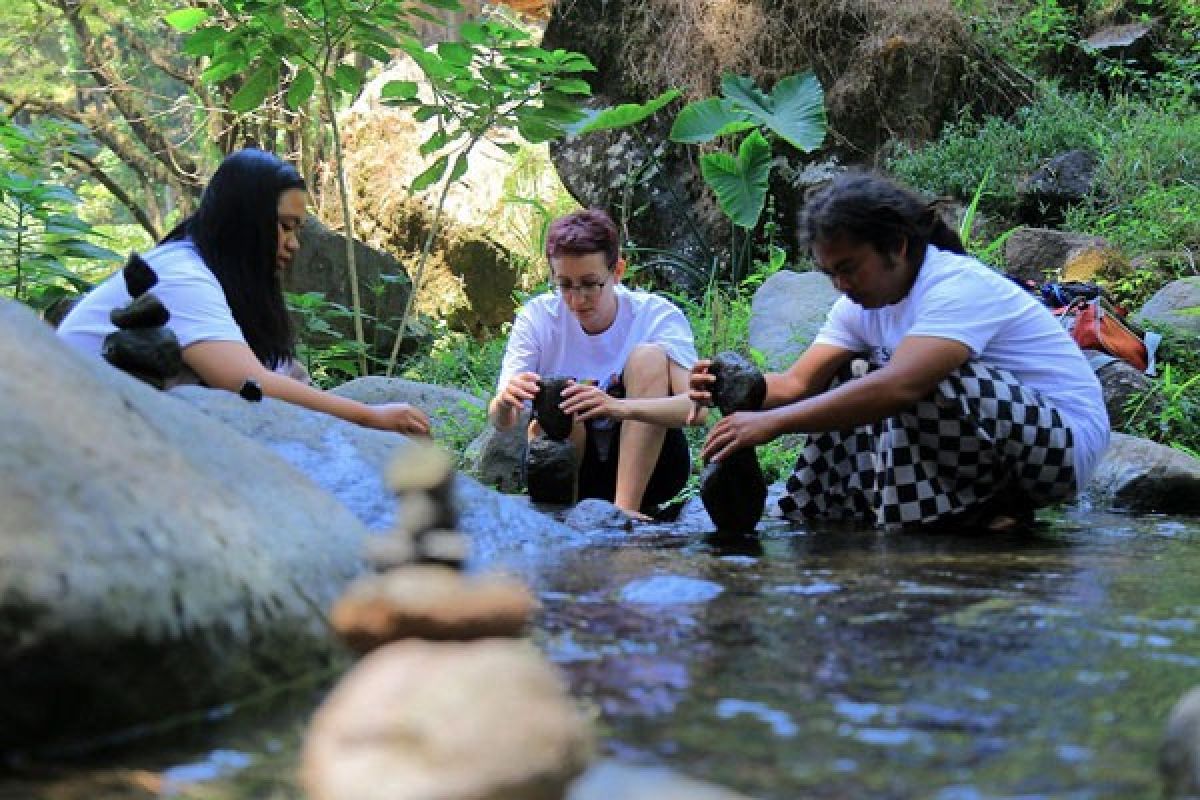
(219, 277)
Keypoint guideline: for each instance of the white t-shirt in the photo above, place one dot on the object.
(185, 286)
(957, 297)
(547, 339)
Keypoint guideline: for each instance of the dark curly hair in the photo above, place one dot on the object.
(865, 207)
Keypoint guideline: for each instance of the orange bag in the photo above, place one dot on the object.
(1096, 325)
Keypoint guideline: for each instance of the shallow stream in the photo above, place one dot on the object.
(829, 663)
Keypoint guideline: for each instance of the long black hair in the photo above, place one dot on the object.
(869, 208)
(236, 230)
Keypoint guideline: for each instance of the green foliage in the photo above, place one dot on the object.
(794, 112)
(457, 360)
(1147, 153)
(44, 246)
(493, 81)
(1169, 412)
(329, 357)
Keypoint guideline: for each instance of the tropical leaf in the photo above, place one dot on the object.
(186, 19)
(623, 115)
(740, 183)
(705, 120)
(794, 111)
(255, 90)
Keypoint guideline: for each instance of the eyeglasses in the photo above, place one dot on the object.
(584, 289)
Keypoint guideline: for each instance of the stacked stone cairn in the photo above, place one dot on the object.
(550, 473)
(734, 490)
(447, 704)
(142, 345)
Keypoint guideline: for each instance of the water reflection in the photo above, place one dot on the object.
(823, 663)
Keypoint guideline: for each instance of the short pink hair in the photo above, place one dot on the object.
(583, 232)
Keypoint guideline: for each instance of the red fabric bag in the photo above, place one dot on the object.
(1096, 325)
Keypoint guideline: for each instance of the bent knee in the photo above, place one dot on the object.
(648, 367)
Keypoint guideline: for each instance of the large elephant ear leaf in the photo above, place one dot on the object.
(794, 111)
(705, 120)
(740, 183)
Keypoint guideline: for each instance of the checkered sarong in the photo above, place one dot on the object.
(978, 433)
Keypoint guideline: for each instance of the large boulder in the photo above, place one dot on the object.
(456, 415)
(1041, 254)
(321, 266)
(349, 461)
(1139, 475)
(891, 71)
(1176, 305)
(152, 561)
(1063, 181)
(498, 457)
(786, 313)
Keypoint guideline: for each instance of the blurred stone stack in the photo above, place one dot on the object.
(447, 703)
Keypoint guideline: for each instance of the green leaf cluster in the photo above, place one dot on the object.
(41, 237)
(310, 43)
(793, 112)
(494, 79)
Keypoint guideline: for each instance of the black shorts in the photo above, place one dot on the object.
(598, 472)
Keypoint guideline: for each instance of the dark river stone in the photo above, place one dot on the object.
(147, 311)
(150, 354)
(554, 422)
(734, 491)
(824, 662)
(739, 386)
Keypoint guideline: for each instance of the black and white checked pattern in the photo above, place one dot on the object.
(978, 433)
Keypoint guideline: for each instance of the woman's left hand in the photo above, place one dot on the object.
(590, 402)
(732, 433)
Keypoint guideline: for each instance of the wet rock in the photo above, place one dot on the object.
(550, 472)
(739, 386)
(554, 423)
(1179, 757)
(178, 560)
(1063, 181)
(349, 461)
(485, 720)
(609, 780)
(146, 311)
(734, 491)
(594, 514)
(1140, 475)
(786, 313)
(497, 457)
(430, 602)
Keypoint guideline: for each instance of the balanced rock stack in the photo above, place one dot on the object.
(734, 490)
(447, 703)
(550, 474)
(142, 345)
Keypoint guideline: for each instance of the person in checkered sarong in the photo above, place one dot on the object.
(936, 391)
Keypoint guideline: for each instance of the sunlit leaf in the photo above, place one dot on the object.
(740, 183)
(186, 19)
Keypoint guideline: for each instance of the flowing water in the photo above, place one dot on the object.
(829, 663)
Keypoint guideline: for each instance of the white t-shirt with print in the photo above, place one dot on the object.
(957, 297)
(189, 290)
(546, 338)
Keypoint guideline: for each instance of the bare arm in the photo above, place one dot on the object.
(672, 411)
(918, 364)
(505, 408)
(227, 365)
